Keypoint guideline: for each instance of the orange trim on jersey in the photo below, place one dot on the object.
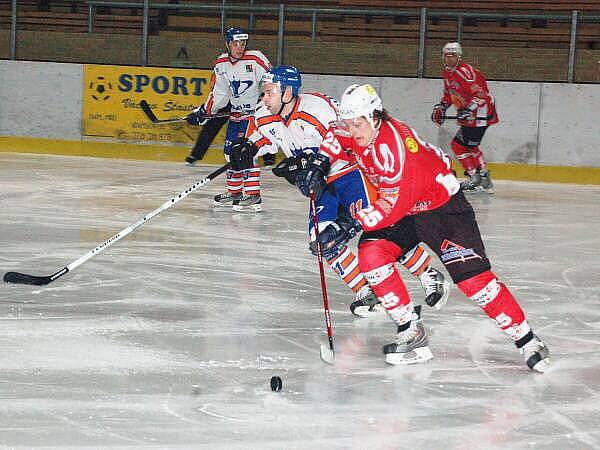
(257, 59)
(267, 120)
(262, 142)
(341, 173)
(292, 115)
(313, 121)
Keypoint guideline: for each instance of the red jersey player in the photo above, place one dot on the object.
(466, 88)
(417, 193)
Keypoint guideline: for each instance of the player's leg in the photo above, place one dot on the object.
(235, 178)
(465, 146)
(345, 262)
(452, 231)
(205, 138)
(355, 192)
(251, 200)
(377, 256)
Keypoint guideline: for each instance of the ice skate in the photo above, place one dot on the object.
(366, 303)
(437, 288)
(472, 183)
(486, 182)
(536, 354)
(190, 161)
(411, 345)
(226, 200)
(248, 203)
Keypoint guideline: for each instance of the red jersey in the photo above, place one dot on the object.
(411, 175)
(466, 87)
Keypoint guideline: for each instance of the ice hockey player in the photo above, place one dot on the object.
(296, 123)
(235, 87)
(465, 87)
(417, 192)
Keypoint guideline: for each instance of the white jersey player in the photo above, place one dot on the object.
(236, 82)
(297, 125)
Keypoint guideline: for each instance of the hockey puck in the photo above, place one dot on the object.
(276, 384)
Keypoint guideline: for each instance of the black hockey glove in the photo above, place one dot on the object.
(197, 116)
(335, 236)
(438, 114)
(242, 154)
(464, 114)
(312, 178)
(289, 167)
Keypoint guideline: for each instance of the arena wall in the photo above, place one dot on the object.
(542, 124)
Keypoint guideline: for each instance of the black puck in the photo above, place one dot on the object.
(276, 383)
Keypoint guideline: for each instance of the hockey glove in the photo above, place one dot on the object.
(335, 236)
(438, 114)
(242, 155)
(312, 178)
(289, 167)
(464, 114)
(197, 116)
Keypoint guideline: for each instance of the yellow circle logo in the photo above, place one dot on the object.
(411, 145)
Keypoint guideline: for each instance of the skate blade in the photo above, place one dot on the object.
(327, 354)
(542, 365)
(442, 301)
(364, 312)
(416, 356)
(252, 209)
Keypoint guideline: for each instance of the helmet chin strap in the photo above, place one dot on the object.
(283, 104)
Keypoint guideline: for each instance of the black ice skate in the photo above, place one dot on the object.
(248, 203)
(437, 288)
(535, 352)
(411, 346)
(190, 161)
(226, 200)
(366, 303)
(472, 183)
(486, 182)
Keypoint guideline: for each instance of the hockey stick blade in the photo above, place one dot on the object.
(150, 114)
(327, 354)
(23, 278)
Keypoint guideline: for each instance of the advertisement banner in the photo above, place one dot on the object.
(112, 95)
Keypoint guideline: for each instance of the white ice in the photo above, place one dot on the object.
(168, 339)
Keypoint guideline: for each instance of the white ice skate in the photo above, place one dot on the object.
(437, 288)
(411, 346)
(536, 354)
(248, 203)
(366, 304)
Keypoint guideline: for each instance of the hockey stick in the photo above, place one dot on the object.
(23, 278)
(476, 118)
(327, 354)
(150, 114)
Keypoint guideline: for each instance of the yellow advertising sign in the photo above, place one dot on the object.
(112, 95)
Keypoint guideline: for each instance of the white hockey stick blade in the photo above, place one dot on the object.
(327, 354)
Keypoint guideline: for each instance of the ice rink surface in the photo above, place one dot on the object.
(168, 339)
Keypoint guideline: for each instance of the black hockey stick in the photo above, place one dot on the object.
(476, 118)
(150, 114)
(327, 354)
(23, 278)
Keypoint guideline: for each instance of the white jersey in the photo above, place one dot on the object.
(302, 131)
(237, 82)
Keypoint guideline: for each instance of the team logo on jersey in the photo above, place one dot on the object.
(238, 87)
(411, 145)
(249, 68)
(453, 253)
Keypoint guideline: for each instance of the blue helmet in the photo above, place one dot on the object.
(284, 76)
(236, 34)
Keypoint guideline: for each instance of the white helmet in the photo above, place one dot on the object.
(360, 101)
(452, 48)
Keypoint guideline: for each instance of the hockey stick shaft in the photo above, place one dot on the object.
(315, 217)
(150, 114)
(21, 278)
(476, 118)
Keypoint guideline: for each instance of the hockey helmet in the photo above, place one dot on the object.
(284, 76)
(360, 101)
(236, 34)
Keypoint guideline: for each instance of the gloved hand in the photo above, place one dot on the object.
(312, 177)
(289, 167)
(464, 114)
(242, 154)
(438, 113)
(197, 116)
(335, 236)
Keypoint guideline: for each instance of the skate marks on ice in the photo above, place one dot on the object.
(170, 337)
